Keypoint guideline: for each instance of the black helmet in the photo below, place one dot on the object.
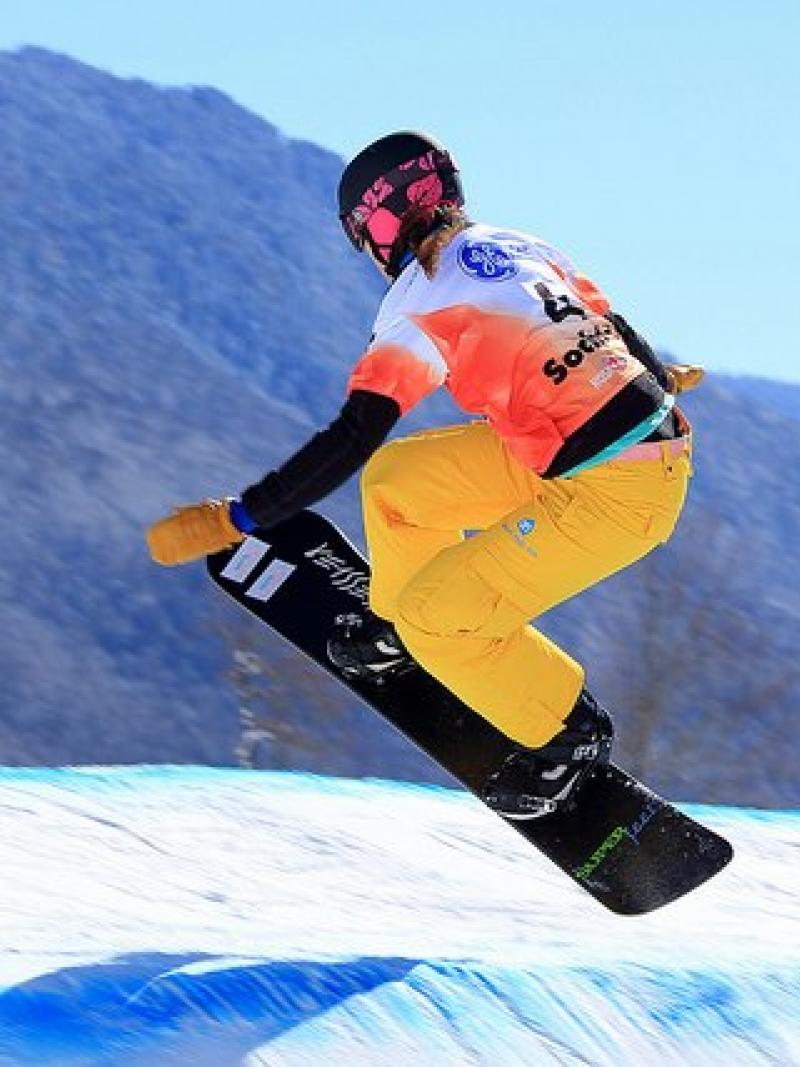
(393, 188)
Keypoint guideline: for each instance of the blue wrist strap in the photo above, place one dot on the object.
(240, 518)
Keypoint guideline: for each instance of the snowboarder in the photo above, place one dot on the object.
(576, 466)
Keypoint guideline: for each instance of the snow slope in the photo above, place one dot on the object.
(160, 916)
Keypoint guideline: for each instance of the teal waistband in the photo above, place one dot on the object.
(632, 437)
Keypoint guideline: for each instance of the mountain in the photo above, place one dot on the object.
(769, 394)
(179, 312)
(225, 918)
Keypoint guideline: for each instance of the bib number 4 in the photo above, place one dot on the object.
(558, 307)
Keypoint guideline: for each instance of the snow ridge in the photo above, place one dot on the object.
(176, 915)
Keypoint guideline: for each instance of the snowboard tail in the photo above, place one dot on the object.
(626, 846)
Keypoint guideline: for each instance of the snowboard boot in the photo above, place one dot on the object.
(533, 782)
(367, 648)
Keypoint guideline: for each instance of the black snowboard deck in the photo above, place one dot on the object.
(626, 846)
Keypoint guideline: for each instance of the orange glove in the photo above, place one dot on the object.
(192, 532)
(684, 376)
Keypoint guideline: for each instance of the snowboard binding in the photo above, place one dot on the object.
(535, 782)
(367, 648)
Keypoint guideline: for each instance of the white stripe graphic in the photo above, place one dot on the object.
(247, 558)
(271, 580)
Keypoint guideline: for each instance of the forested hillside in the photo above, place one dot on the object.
(179, 311)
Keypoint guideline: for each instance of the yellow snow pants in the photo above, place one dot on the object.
(462, 604)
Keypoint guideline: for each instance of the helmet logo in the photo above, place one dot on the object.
(426, 192)
(486, 261)
(376, 194)
(425, 162)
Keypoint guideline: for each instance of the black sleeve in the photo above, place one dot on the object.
(328, 460)
(638, 347)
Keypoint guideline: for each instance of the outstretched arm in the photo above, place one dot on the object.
(326, 462)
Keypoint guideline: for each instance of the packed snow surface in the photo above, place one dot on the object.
(164, 916)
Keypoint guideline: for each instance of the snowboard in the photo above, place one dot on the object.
(622, 843)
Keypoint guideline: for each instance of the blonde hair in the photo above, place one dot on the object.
(429, 251)
(415, 233)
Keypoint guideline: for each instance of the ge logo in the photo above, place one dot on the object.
(486, 261)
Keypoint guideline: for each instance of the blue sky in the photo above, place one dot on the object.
(656, 144)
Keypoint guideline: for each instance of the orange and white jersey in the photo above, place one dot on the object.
(512, 329)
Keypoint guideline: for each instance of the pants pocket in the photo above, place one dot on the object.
(456, 601)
